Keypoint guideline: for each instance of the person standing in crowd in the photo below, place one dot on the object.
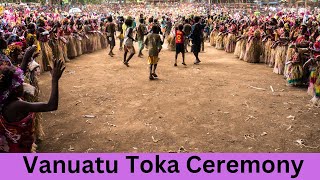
(141, 32)
(187, 30)
(180, 44)
(168, 27)
(154, 44)
(110, 31)
(196, 39)
(128, 42)
(120, 30)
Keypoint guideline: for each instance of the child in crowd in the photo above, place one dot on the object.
(180, 44)
(154, 44)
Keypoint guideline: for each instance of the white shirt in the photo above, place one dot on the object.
(128, 41)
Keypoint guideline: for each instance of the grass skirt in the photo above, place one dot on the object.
(213, 36)
(230, 43)
(280, 58)
(98, 41)
(64, 51)
(47, 56)
(103, 41)
(253, 51)
(89, 44)
(94, 41)
(71, 47)
(267, 51)
(57, 50)
(294, 74)
(243, 47)
(272, 57)
(84, 45)
(78, 46)
(219, 42)
(290, 53)
(237, 50)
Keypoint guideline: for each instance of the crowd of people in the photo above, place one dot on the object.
(288, 42)
(33, 41)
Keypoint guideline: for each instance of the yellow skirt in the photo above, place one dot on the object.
(153, 60)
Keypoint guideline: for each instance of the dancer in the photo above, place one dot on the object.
(128, 42)
(141, 32)
(154, 43)
(110, 31)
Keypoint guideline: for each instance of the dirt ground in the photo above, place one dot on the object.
(211, 107)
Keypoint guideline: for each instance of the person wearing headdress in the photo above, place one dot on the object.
(14, 52)
(97, 33)
(214, 34)
(281, 45)
(89, 33)
(294, 33)
(102, 32)
(68, 34)
(54, 42)
(231, 38)
(84, 36)
(240, 48)
(32, 89)
(267, 42)
(253, 46)
(314, 78)
(46, 51)
(220, 37)
(77, 28)
(31, 39)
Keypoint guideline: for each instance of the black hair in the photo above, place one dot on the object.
(155, 29)
(109, 18)
(128, 22)
(197, 19)
(3, 44)
(7, 73)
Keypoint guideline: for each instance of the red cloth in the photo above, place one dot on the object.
(17, 137)
(179, 37)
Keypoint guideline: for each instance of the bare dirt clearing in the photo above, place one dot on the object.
(211, 107)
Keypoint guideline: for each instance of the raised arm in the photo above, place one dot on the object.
(52, 104)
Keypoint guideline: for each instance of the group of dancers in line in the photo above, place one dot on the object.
(37, 42)
(289, 43)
